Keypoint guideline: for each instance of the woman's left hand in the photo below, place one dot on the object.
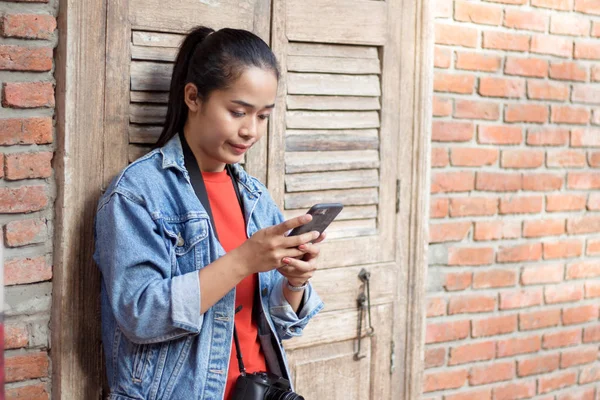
(298, 271)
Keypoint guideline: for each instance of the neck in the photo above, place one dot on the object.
(204, 162)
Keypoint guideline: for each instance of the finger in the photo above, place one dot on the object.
(296, 241)
(310, 249)
(290, 224)
(300, 266)
(320, 238)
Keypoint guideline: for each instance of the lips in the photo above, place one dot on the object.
(239, 148)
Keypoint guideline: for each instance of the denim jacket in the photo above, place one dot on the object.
(152, 236)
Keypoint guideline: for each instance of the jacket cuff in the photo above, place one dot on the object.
(185, 300)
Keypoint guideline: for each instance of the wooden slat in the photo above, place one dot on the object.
(316, 140)
(348, 213)
(145, 114)
(334, 65)
(347, 197)
(332, 103)
(136, 152)
(332, 119)
(149, 97)
(151, 76)
(334, 85)
(144, 134)
(350, 229)
(153, 53)
(330, 161)
(332, 180)
(337, 21)
(332, 50)
(156, 39)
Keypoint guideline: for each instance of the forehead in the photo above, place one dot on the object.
(256, 86)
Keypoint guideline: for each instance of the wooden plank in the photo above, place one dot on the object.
(144, 134)
(334, 65)
(332, 180)
(332, 119)
(330, 160)
(156, 39)
(334, 140)
(149, 97)
(348, 213)
(151, 76)
(347, 197)
(337, 21)
(333, 85)
(147, 114)
(136, 152)
(332, 50)
(332, 103)
(352, 229)
(167, 54)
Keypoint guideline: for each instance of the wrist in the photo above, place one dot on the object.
(241, 263)
(295, 285)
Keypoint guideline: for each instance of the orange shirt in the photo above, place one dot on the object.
(231, 229)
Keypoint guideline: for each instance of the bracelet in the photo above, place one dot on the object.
(296, 288)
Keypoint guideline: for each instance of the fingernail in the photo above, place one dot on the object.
(286, 260)
(302, 247)
(316, 235)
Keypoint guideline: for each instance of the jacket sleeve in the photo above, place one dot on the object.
(149, 305)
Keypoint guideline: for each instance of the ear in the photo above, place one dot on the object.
(191, 97)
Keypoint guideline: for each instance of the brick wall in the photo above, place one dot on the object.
(514, 275)
(27, 40)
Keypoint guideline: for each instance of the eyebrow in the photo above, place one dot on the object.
(243, 103)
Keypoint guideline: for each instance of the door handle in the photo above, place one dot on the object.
(363, 303)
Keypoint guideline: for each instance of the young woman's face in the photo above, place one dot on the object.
(222, 128)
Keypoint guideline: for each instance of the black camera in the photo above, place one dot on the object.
(263, 386)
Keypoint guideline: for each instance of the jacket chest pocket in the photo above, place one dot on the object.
(188, 240)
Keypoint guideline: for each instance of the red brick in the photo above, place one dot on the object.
(443, 131)
(552, 45)
(470, 256)
(594, 202)
(521, 205)
(591, 334)
(448, 232)
(443, 9)
(541, 90)
(479, 13)
(586, 94)
(520, 253)
(563, 293)
(565, 202)
(592, 290)
(587, 51)
(471, 304)
(453, 83)
(533, 67)
(501, 87)
(497, 372)
(564, 5)
(596, 29)
(537, 365)
(594, 159)
(519, 2)
(542, 274)
(443, 182)
(533, 113)
(26, 270)
(444, 380)
(522, 158)
(554, 382)
(593, 247)
(436, 307)
(28, 94)
(539, 319)
(570, 115)
(442, 57)
(493, 326)
(564, 249)
(520, 299)
(498, 182)
(438, 208)
(569, 25)
(447, 331)
(579, 315)
(515, 346)
(515, 391)
(587, 6)
(23, 199)
(590, 224)
(26, 366)
(546, 227)
(442, 107)
(473, 157)
(473, 206)
(562, 339)
(548, 137)
(28, 26)
(584, 269)
(17, 58)
(455, 35)
(568, 71)
(15, 336)
(472, 352)
(439, 157)
(458, 281)
(494, 279)
(525, 20)
(542, 182)
(477, 110)
(500, 135)
(579, 356)
(483, 394)
(505, 41)
(496, 230)
(435, 357)
(477, 62)
(575, 394)
(28, 165)
(596, 72)
(29, 392)
(584, 180)
(589, 374)
(21, 233)
(585, 137)
(566, 158)
(26, 131)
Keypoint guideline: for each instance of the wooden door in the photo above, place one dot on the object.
(334, 138)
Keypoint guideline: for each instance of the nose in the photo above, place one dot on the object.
(249, 129)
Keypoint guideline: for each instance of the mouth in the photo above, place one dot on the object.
(239, 148)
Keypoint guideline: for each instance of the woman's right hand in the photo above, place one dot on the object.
(267, 248)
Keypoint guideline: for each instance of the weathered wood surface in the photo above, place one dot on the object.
(330, 160)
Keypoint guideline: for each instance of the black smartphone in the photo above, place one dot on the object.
(323, 214)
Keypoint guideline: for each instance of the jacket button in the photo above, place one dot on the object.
(180, 241)
(265, 291)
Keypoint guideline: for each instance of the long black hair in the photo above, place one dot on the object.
(211, 60)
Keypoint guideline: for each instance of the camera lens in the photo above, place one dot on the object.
(277, 394)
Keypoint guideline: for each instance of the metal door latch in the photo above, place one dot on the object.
(363, 302)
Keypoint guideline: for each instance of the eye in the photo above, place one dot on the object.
(237, 114)
(264, 116)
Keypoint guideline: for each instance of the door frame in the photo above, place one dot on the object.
(88, 153)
